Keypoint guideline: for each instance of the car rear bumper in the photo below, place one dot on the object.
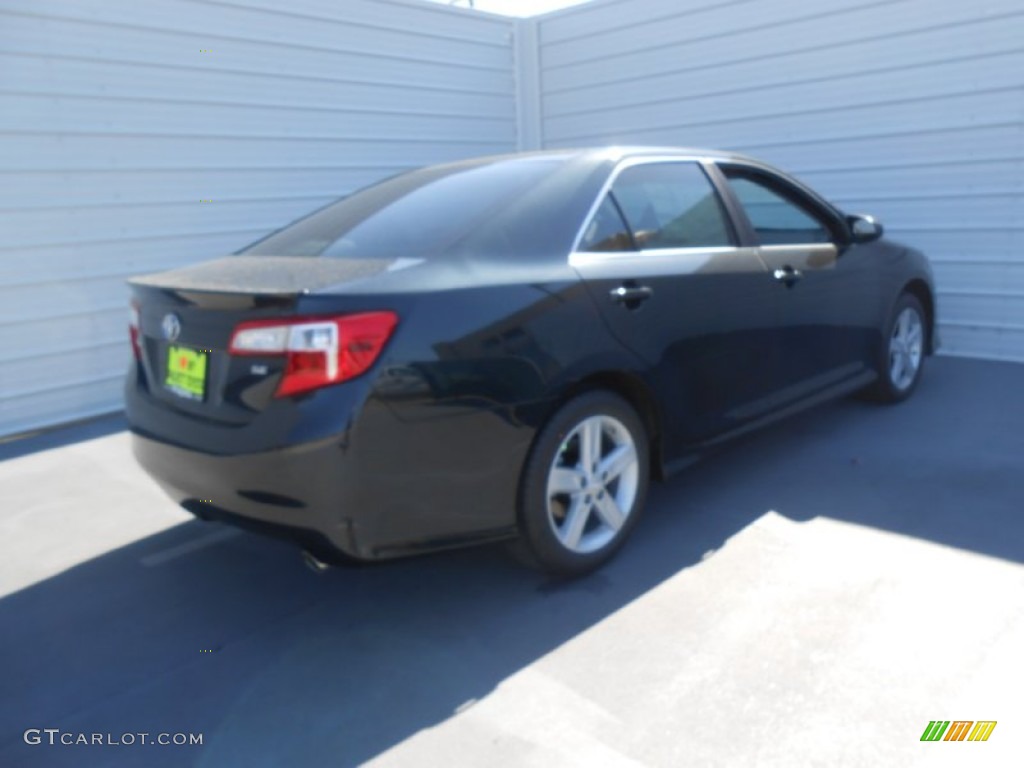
(385, 488)
(296, 490)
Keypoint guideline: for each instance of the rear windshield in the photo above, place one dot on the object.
(480, 207)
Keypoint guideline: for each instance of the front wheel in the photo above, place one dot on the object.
(583, 485)
(903, 351)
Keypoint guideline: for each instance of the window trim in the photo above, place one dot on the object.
(702, 162)
(657, 262)
(623, 219)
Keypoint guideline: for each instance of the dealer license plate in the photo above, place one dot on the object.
(186, 372)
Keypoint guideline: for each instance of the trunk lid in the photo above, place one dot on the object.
(269, 275)
(186, 318)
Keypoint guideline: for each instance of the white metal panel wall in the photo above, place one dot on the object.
(137, 136)
(909, 109)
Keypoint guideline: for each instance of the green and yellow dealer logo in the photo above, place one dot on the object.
(958, 730)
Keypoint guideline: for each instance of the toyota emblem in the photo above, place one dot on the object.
(171, 327)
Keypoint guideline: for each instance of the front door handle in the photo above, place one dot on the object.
(631, 295)
(787, 275)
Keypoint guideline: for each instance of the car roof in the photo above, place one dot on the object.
(629, 151)
(614, 154)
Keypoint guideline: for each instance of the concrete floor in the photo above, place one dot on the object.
(812, 596)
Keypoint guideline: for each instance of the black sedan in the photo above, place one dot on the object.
(509, 348)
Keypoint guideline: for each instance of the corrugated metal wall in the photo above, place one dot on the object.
(119, 118)
(909, 109)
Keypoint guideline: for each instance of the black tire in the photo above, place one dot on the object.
(889, 388)
(545, 528)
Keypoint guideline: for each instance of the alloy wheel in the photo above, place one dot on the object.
(906, 347)
(592, 484)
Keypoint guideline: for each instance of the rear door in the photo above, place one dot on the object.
(663, 263)
(826, 296)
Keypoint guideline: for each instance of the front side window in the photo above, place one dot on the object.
(777, 219)
(671, 205)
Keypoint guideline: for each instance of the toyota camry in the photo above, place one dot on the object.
(511, 348)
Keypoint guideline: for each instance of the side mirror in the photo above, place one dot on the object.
(864, 228)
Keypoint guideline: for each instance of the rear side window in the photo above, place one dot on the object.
(777, 218)
(606, 230)
(671, 205)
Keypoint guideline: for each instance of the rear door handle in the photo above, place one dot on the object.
(631, 295)
(787, 275)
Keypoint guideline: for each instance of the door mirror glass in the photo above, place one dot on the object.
(864, 228)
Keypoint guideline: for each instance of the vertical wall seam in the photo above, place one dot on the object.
(526, 74)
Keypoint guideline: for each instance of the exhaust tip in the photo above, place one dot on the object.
(314, 563)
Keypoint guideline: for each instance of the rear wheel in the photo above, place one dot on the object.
(903, 351)
(583, 485)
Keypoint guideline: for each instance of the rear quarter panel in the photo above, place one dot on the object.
(456, 403)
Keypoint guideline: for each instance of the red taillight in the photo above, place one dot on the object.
(133, 329)
(319, 351)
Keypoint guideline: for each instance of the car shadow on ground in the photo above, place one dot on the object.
(276, 665)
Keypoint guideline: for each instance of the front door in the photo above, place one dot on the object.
(825, 295)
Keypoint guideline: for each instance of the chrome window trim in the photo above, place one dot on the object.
(803, 255)
(581, 258)
(797, 247)
(675, 262)
(620, 166)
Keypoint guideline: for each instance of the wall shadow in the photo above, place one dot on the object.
(45, 439)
